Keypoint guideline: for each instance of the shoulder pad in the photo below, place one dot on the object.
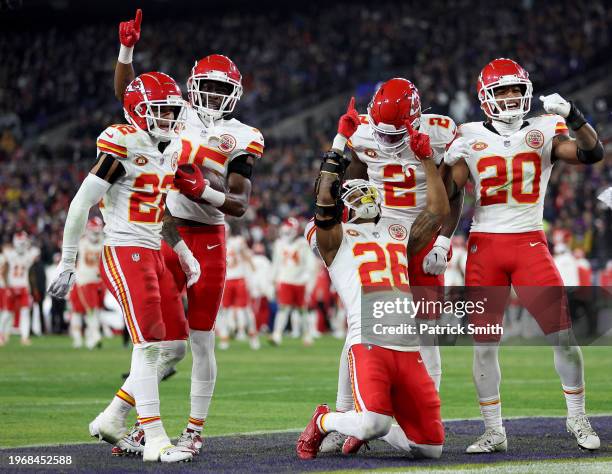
(114, 139)
(246, 139)
(552, 121)
(440, 128)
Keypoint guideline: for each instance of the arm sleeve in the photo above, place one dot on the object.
(91, 191)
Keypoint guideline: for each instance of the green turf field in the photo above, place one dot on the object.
(49, 392)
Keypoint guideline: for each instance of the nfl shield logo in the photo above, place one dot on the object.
(136, 257)
(473, 248)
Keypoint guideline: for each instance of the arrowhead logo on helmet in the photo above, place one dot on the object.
(154, 103)
(504, 72)
(395, 103)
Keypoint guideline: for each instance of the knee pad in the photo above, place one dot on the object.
(375, 425)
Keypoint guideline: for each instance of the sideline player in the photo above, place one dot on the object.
(379, 147)
(85, 295)
(215, 140)
(19, 259)
(292, 273)
(135, 169)
(235, 306)
(387, 381)
(510, 160)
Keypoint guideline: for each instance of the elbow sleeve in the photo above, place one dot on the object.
(588, 157)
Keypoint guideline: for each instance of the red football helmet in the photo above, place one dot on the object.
(498, 73)
(290, 228)
(148, 102)
(94, 228)
(214, 103)
(395, 102)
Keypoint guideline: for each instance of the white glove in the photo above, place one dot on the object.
(555, 104)
(63, 282)
(435, 261)
(460, 148)
(189, 264)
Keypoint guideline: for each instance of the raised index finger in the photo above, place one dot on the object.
(138, 19)
(411, 130)
(351, 105)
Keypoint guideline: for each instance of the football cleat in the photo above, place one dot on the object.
(581, 428)
(130, 444)
(107, 428)
(491, 441)
(254, 343)
(310, 440)
(160, 449)
(352, 445)
(190, 439)
(332, 443)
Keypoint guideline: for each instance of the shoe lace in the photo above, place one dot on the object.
(136, 429)
(583, 426)
(187, 436)
(487, 435)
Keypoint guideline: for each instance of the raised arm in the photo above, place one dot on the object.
(428, 222)
(586, 148)
(129, 34)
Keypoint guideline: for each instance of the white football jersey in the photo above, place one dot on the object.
(292, 261)
(236, 263)
(213, 147)
(88, 262)
(2, 264)
(511, 173)
(262, 284)
(133, 207)
(370, 255)
(19, 265)
(403, 195)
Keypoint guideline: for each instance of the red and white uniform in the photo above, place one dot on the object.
(85, 294)
(403, 195)
(17, 279)
(132, 265)
(506, 244)
(291, 267)
(235, 294)
(213, 147)
(389, 380)
(3, 288)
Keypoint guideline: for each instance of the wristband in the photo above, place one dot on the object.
(125, 54)
(339, 143)
(214, 197)
(181, 248)
(443, 242)
(575, 119)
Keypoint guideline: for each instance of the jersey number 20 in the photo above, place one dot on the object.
(501, 181)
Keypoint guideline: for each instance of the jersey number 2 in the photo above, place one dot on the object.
(397, 193)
